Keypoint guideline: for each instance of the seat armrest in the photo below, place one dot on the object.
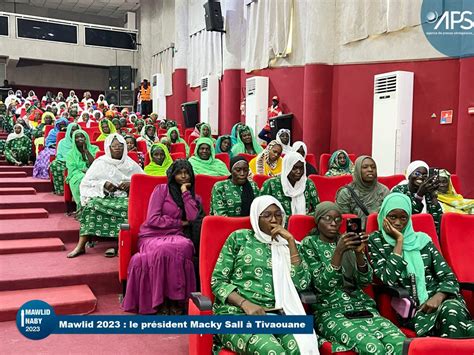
(125, 227)
(202, 302)
(308, 297)
(125, 252)
(468, 286)
(392, 291)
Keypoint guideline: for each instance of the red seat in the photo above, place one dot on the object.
(391, 180)
(225, 158)
(162, 131)
(91, 131)
(94, 136)
(311, 159)
(67, 190)
(178, 155)
(192, 147)
(456, 183)
(438, 346)
(178, 147)
(141, 188)
(142, 147)
(327, 186)
(260, 179)
(204, 185)
(99, 144)
(133, 155)
(301, 225)
(324, 162)
(82, 124)
(47, 129)
(60, 136)
(247, 157)
(457, 240)
(187, 133)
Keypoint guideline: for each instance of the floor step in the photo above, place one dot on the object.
(12, 174)
(52, 203)
(77, 299)
(38, 184)
(37, 245)
(27, 169)
(23, 213)
(17, 191)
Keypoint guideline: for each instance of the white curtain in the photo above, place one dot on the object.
(205, 56)
(163, 63)
(269, 32)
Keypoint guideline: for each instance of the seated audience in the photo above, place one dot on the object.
(160, 160)
(161, 275)
(449, 199)
(224, 145)
(301, 148)
(205, 132)
(148, 134)
(139, 124)
(269, 161)
(18, 147)
(421, 189)
(340, 271)
(173, 136)
(104, 193)
(364, 195)
(246, 142)
(133, 147)
(404, 258)
(233, 197)
(270, 281)
(196, 133)
(235, 132)
(340, 164)
(292, 188)
(204, 159)
(47, 119)
(106, 128)
(284, 138)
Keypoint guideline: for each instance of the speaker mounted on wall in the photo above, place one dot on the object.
(114, 78)
(126, 98)
(125, 77)
(213, 16)
(112, 97)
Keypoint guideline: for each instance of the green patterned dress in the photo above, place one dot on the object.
(244, 265)
(452, 318)
(432, 208)
(375, 335)
(18, 150)
(274, 188)
(102, 217)
(226, 198)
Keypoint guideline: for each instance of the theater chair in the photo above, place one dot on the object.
(224, 157)
(260, 179)
(141, 146)
(391, 181)
(457, 241)
(59, 137)
(94, 136)
(456, 183)
(178, 147)
(141, 188)
(47, 129)
(438, 346)
(177, 155)
(187, 133)
(68, 195)
(91, 131)
(324, 162)
(247, 157)
(204, 185)
(192, 148)
(301, 225)
(310, 158)
(327, 186)
(133, 155)
(99, 144)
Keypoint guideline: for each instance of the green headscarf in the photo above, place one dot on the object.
(179, 140)
(219, 142)
(239, 147)
(235, 132)
(102, 134)
(75, 156)
(154, 169)
(336, 169)
(65, 144)
(413, 241)
(212, 166)
(208, 126)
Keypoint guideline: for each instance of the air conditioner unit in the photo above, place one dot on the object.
(392, 122)
(256, 102)
(130, 20)
(210, 102)
(158, 94)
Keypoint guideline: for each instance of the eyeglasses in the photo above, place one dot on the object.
(269, 215)
(329, 219)
(418, 174)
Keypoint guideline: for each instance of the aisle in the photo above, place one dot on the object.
(35, 237)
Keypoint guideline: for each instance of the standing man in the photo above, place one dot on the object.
(273, 111)
(145, 96)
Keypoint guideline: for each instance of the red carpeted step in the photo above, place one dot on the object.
(27, 169)
(17, 191)
(38, 184)
(12, 174)
(52, 203)
(23, 213)
(77, 299)
(37, 245)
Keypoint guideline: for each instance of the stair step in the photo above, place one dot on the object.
(77, 299)
(52, 203)
(38, 184)
(30, 245)
(17, 191)
(23, 213)
(12, 174)
(27, 169)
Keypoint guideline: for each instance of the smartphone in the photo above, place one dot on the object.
(434, 172)
(275, 311)
(354, 225)
(358, 314)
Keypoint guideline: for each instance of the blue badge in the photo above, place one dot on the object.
(449, 26)
(36, 319)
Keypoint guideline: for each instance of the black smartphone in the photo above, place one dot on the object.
(434, 172)
(354, 225)
(358, 314)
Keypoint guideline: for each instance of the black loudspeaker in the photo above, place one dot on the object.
(214, 20)
(125, 77)
(126, 97)
(279, 122)
(114, 78)
(112, 97)
(190, 113)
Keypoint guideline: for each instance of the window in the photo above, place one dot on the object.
(47, 31)
(3, 26)
(112, 39)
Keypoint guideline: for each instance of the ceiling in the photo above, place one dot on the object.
(107, 8)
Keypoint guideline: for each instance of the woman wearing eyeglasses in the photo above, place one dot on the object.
(421, 189)
(260, 271)
(344, 314)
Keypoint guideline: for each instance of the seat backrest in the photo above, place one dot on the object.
(192, 147)
(187, 133)
(456, 183)
(260, 179)
(47, 129)
(141, 188)
(214, 233)
(59, 137)
(178, 147)
(438, 346)
(247, 157)
(224, 157)
(204, 185)
(177, 155)
(162, 131)
(133, 155)
(324, 162)
(457, 239)
(94, 135)
(91, 131)
(422, 222)
(99, 144)
(141, 146)
(82, 124)
(391, 181)
(301, 225)
(311, 158)
(327, 186)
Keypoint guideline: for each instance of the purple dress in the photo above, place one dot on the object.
(163, 267)
(41, 168)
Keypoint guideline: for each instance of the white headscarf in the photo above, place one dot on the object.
(298, 201)
(286, 295)
(411, 168)
(297, 145)
(14, 135)
(286, 147)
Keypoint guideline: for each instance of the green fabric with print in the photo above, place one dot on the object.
(57, 169)
(226, 198)
(102, 217)
(18, 150)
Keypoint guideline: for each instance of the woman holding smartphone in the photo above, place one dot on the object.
(344, 314)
